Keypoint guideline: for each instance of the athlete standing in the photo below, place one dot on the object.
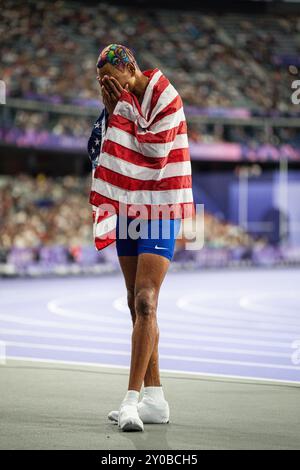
(144, 156)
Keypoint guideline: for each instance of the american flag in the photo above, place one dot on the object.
(94, 142)
(102, 233)
(142, 159)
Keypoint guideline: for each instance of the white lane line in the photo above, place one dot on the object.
(240, 324)
(9, 318)
(163, 356)
(234, 315)
(251, 303)
(53, 347)
(169, 371)
(163, 344)
(29, 296)
(43, 334)
(120, 304)
(172, 324)
(221, 297)
(202, 297)
(54, 307)
(114, 330)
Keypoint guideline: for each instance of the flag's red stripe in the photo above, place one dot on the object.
(107, 239)
(183, 209)
(159, 87)
(170, 108)
(134, 184)
(124, 124)
(119, 151)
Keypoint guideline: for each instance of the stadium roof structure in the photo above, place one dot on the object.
(225, 5)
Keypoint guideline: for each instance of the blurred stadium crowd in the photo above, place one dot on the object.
(48, 55)
(49, 49)
(44, 211)
(26, 127)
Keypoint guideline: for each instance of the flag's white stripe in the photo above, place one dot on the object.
(170, 196)
(168, 122)
(166, 97)
(152, 150)
(130, 111)
(126, 110)
(180, 142)
(145, 173)
(149, 92)
(106, 225)
(162, 150)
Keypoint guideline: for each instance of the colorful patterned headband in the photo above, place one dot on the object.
(117, 55)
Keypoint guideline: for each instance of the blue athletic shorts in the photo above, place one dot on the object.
(156, 236)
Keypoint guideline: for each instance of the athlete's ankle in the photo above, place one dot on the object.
(146, 385)
(154, 392)
(131, 398)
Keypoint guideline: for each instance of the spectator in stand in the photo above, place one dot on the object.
(33, 213)
(196, 51)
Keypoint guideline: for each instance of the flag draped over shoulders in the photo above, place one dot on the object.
(143, 161)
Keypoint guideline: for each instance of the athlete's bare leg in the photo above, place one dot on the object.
(151, 270)
(129, 268)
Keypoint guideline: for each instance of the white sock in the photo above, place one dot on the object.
(131, 397)
(152, 409)
(156, 393)
(128, 418)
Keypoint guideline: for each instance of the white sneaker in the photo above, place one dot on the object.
(128, 418)
(149, 411)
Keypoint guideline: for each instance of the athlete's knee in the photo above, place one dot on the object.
(146, 301)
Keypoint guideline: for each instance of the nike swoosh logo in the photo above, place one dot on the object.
(160, 247)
